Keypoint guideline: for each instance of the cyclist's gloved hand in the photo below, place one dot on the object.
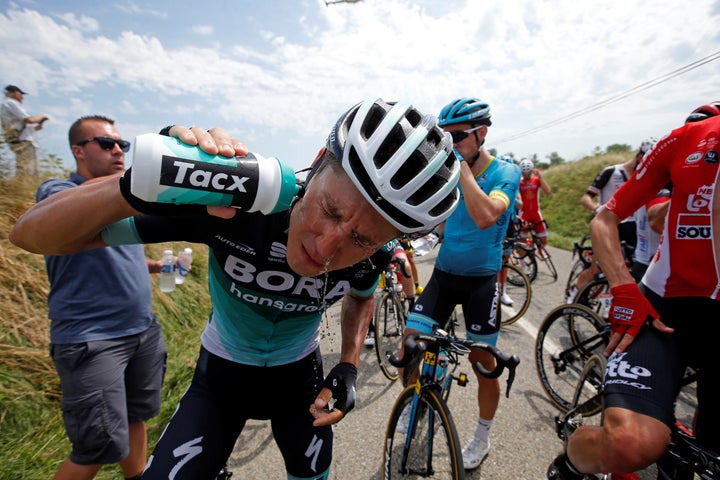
(628, 312)
(341, 382)
(338, 385)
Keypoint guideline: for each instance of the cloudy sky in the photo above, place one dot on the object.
(278, 73)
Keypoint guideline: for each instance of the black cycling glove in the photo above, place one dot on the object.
(341, 381)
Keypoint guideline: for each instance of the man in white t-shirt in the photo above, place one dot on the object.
(19, 130)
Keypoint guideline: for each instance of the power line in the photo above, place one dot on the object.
(616, 98)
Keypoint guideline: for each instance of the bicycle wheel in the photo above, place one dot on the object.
(595, 295)
(517, 287)
(525, 260)
(389, 321)
(587, 399)
(575, 271)
(567, 337)
(433, 450)
(544, 255)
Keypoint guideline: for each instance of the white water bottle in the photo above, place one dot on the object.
(184, 261)
(165, 170)
(167, 272)
(424, 245)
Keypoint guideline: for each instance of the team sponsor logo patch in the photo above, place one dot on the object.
(711, 157)
(694, 158)
(693, 227)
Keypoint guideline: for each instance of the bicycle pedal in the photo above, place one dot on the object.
(462, 379)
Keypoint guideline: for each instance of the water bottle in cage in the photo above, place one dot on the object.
(441, 367)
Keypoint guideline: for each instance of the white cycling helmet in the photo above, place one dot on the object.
(526, 165)
(400, 160)
(646, 145)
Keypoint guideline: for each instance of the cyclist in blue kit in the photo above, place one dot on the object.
(470, 257)
(386, 169)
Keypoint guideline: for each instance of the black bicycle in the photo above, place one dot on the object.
(541, 252)
(583, 251)
(567, 337)
(684, 458)
(430, 446)
(522, 256)
(389, 318)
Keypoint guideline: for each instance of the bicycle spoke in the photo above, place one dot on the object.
(432, 447)
(567, 337)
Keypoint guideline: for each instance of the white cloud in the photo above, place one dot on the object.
(533, 61)
(202, 29)
(82, 23)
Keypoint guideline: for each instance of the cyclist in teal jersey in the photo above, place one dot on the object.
(467, 265)
(386, 169)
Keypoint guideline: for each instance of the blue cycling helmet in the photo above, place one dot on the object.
(465, 110)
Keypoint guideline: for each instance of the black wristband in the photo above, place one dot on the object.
(166, 131)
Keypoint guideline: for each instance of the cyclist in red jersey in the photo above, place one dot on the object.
(531, 184)
(646, 365)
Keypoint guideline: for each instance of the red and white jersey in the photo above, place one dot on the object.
(687, 263)
(530, 196)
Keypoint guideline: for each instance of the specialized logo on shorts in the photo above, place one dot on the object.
(313, 451)
(619, 371)
(186, 452)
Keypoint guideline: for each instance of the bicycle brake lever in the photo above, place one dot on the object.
(512, 363)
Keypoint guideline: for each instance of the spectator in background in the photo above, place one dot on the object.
(19, 129)
(106, 344)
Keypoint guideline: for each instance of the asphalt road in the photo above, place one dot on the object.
(523, 440)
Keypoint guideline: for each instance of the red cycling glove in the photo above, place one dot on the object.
(629, 309)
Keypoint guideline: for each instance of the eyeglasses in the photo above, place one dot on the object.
(460, 135)
(107, 143)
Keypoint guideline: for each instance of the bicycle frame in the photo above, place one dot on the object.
(435, 376)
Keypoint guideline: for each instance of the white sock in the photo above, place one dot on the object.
(482, 431)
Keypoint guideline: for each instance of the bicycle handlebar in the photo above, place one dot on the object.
(415, 344)
(401, 265)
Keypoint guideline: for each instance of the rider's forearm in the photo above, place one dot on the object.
(589, 202)
(484, 210)
(356, 315)
(607, 250)
(71, 220)
(545, 187)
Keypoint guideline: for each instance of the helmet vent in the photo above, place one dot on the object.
(359, 171)
(372, 121)
(389, 146)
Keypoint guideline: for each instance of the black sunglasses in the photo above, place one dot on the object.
(460, 135)
(107, 143)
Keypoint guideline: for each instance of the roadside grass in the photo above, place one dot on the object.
(33, 442)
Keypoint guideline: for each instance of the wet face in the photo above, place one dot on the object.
(333, 226)
(92, 159)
